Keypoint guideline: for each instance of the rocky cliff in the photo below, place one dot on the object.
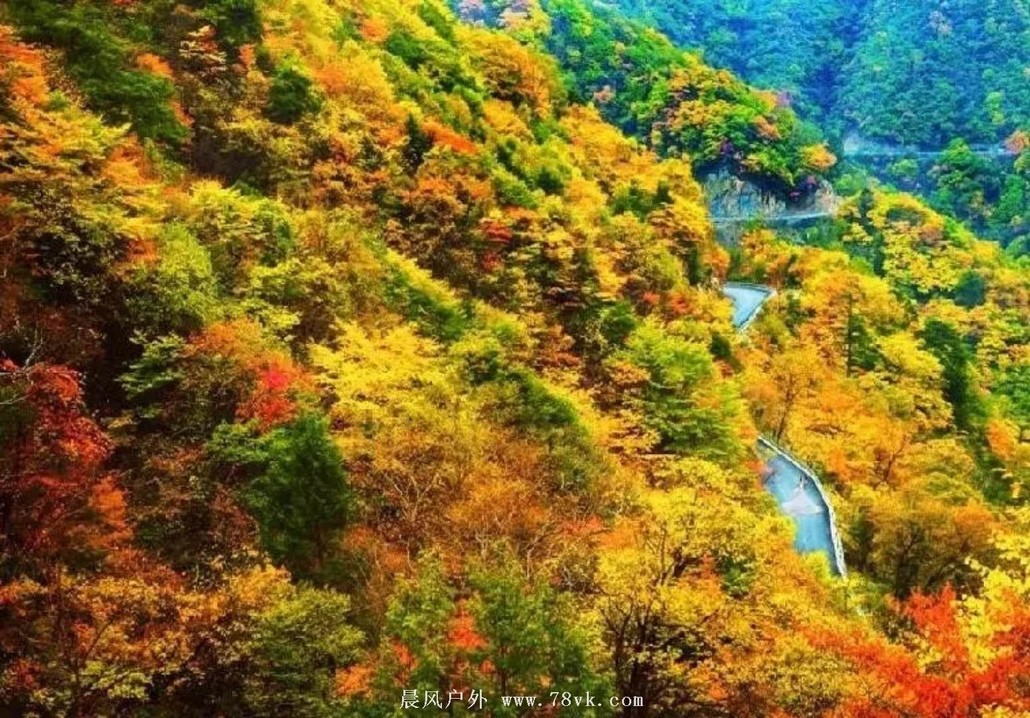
(732, 199)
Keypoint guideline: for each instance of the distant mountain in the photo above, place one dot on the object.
(913, 73)
(667, 98)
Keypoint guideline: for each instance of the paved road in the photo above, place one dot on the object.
(774, 219)
(799, 495)
(900, 152)
(796, 488)
(747, 301)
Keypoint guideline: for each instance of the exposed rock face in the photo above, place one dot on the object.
(732, 199)
(734, 203)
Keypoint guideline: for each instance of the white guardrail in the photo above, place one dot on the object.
(838, 548)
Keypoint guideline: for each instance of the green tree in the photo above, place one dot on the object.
(530, 640)
(418, 144)
(679, 393)
(100, 59)
(1014, 386)
(945, 343)
(180, 292)
(296, 647)
(300, 497)
(238, 22)
(291, 95)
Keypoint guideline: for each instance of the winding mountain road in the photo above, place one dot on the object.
(891, 152)
(777, 219)
(855, 147)
(795, 487)
(747, 301)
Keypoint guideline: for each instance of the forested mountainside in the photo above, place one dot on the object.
(990, 194)
(356, 348)
(931, 97)
(667, 98)
(908, 73)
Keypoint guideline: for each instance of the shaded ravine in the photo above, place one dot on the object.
(796, 488)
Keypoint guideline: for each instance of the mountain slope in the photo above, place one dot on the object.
(347, 351)
(668, 98)
(918, 73)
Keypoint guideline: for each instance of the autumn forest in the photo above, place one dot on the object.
(384, 358)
